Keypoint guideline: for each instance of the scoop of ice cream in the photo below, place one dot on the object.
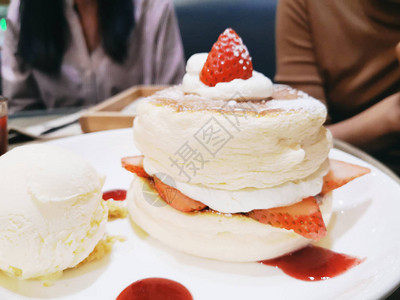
(51, 210)
(258, 86)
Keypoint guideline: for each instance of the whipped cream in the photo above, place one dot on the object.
(248, 199)
(256, 87)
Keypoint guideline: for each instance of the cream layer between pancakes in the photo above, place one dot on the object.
(248, 199)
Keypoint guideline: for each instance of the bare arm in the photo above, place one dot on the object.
(367, 129)
(169, 49)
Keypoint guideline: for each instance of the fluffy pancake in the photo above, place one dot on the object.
(227, 237)
(237, 145)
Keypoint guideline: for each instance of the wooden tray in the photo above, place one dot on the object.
(107, 115)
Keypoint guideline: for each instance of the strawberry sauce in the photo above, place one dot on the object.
(314, 263)
(118, 195)
(155, 289)
(3, 135)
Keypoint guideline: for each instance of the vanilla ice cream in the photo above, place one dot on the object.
(51, 210)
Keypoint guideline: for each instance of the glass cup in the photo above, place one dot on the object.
(3, 126)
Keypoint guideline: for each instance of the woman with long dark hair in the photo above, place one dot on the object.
(63, 53)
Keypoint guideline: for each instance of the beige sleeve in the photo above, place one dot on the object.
(170, 60)
(296, 61)
(18, 82)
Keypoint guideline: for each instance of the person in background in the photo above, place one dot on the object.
(68, 53)
(344, 53)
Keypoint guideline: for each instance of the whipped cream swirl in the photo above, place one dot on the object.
(256, 87)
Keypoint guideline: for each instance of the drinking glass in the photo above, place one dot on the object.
(3, 126)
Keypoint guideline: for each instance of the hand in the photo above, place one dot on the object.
(371, 128)
(387, 111)
(375, 127)
(395, 115)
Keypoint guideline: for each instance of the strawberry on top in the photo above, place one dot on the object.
(228, 59)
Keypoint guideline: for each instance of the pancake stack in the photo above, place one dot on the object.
(232, 169)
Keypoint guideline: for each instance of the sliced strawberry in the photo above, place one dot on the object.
(341, 173)
(303, 217)
(176, 199)
(116, 195)
(134, 164)
(228, 59)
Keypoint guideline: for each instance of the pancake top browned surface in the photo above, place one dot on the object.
(175, 98)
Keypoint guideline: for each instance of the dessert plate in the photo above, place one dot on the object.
(365, 224)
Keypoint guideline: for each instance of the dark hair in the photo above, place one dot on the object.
(45, 33)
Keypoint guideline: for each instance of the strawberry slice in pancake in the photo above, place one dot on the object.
(134, 164)
(303, 217)
(341, 173)
(168, 193)
(176, 199)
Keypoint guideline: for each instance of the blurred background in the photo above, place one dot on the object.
(201, 22)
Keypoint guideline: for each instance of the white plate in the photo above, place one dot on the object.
(365, 224)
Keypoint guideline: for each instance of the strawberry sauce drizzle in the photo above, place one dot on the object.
(117, 195)
(314, 263)
(155, 289)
